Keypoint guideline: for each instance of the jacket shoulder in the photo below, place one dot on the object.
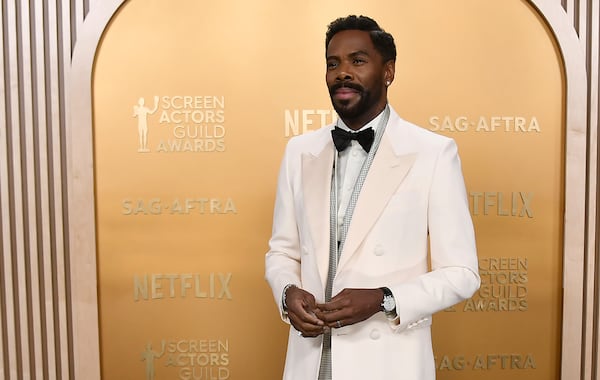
(415, 137)
(313, 141)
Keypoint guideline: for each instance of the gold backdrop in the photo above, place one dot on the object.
(193, 104)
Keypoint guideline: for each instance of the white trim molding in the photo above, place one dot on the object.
(86, 343)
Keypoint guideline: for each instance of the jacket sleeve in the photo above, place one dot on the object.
(282, 261)
(454, 269)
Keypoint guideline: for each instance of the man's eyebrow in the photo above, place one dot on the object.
(358, 52)
(353, 54)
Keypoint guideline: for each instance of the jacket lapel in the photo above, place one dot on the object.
(387, 171)
(316, 188)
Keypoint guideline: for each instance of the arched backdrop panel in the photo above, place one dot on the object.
(192, 107)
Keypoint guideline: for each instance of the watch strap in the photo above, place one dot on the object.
(386, 291)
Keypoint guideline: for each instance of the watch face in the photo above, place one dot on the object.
(388, 303)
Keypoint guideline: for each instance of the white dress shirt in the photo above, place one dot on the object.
(349, 163)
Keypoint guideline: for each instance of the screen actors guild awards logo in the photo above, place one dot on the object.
(149, 356)
(185, 124)
(189, 359)
(141, 112)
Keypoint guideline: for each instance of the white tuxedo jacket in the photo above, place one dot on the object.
(414, 190)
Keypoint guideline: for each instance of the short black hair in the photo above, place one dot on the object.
(382, 40)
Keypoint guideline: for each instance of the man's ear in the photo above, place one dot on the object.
(389, 70)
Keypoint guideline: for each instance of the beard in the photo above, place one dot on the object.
(344, 108)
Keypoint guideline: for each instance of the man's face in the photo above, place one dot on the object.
(356, 76)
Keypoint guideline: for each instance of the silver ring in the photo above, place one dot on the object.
(339, 324)
(299, 333)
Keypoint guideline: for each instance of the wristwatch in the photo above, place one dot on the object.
(284, 296)
(388, 305)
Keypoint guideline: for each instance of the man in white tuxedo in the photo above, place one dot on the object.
(358, 205)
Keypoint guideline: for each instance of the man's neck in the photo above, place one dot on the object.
(360, 121)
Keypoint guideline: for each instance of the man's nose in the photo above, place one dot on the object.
(343, 75)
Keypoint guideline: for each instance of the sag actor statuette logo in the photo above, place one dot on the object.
(149, 356)
(180, 124)
(141, 112)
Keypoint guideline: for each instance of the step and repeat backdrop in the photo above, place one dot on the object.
(193, 103)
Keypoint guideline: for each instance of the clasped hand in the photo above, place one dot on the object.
(348, 307)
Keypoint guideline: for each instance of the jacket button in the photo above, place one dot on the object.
(379, 250)
(375, 334)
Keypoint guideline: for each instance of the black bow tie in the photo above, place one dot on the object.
(342, 138)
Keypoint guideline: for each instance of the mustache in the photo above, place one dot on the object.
(339, 85)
